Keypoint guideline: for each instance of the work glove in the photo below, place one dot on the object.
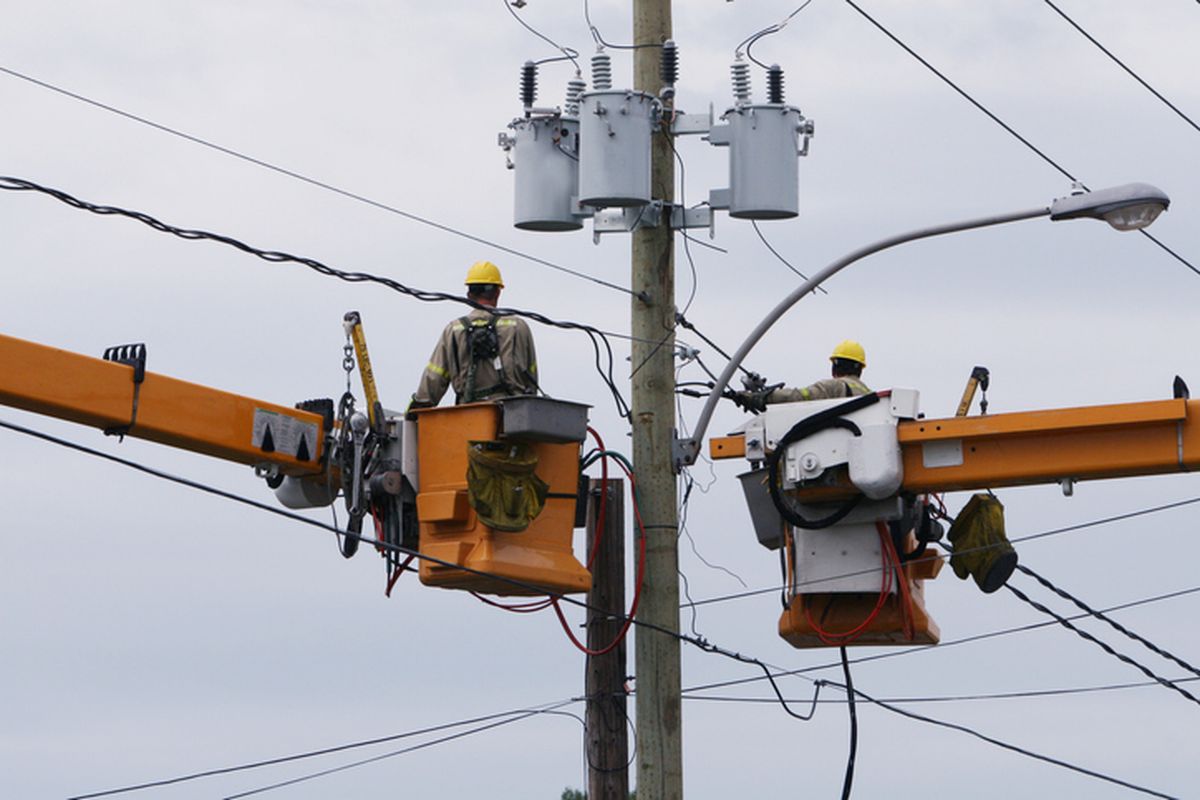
(754, 402)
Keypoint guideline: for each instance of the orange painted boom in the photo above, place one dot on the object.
(100, 393)
(1030, 447)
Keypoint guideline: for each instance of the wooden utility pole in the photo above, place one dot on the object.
(607, 717)
(660, 748)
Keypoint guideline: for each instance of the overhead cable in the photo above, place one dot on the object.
(1123, 66)
(957, 698)
(1082, 606)
(364, 761)
(698, 642)
(545, 708)
(274, 256)
(1005, 745)
(941, 646)
(313, 181)
(1105, 646)
(569, 53)
(1005, 125)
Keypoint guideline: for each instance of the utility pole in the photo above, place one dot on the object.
(659, 726)
(607, 737)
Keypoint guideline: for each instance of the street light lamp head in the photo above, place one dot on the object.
(1130, 207)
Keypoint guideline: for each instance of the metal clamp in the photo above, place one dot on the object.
(133, 355)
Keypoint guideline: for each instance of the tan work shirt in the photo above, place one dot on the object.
(821, 390)
(450, 362)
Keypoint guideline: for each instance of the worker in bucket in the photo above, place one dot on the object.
(847, 363)
(482, 355)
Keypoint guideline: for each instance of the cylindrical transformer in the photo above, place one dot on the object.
(614, 154)
(764, 173)
(546, 166)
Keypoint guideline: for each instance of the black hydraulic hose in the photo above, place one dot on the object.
(829, 418)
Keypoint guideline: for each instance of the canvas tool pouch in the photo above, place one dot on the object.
(502, 486)
(981, 548)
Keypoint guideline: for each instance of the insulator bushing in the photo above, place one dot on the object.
(740, 73)
(775, 85)
(601, 72)
(670, 63)
(575, 87)
(528, 84)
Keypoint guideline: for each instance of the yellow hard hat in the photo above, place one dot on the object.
(851, 351)
(484, 272)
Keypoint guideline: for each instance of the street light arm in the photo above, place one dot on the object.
(687, 450)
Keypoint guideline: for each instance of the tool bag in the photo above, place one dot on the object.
(502, 486)
(981, 548)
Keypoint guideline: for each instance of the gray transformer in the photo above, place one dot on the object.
(545, 156)
(764, 174)
(614, 157)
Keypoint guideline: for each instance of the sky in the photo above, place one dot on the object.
(150, 631)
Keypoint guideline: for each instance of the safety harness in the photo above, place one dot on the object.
(483, 344)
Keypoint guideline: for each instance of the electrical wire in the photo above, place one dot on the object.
(364, 761)
(699, 642)
(960, 698)
(784, 261)
(599, 40)
(604, 363)
(750, 40)
(569, 53)
(322, 751)
(848, 780)
(317, 183)
(1082, 606)
(1002, 744)
(1004, 124)
(1107, 648)
(944, 644)
(1123, 66)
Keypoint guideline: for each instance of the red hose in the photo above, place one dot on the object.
(842, 638)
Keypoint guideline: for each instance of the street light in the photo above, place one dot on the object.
(1130, 207)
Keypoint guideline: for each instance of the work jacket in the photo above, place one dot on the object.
(821, 390)
(512, 372)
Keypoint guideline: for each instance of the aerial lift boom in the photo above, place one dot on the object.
(837, 484)
(378, 461)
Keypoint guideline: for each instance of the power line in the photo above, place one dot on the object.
(978, 637)
(784, 261)
(1003, 124)
(1061, 620)
(274, 256)
(1122, 65)
(544, 709)
(1005, 745)
(313, 181)
(699, 642)
(1112, 623)
(960, 698)
(362, 762)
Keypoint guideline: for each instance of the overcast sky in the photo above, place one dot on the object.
(150, 631)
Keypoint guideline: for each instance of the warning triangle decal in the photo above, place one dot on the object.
(302, 453)
(268, 442)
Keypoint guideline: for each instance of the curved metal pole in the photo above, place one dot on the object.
(689, 449)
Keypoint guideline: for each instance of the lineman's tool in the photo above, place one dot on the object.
(981, 548)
